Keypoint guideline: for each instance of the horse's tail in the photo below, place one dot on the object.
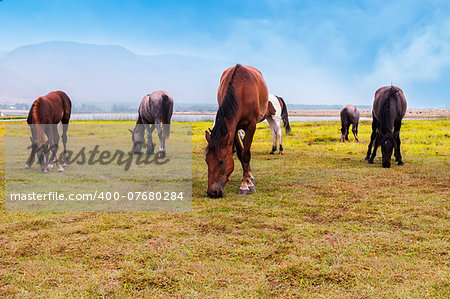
(393, 92)
(285, 116)
(344, 120)
(166, 114)
(67, 106)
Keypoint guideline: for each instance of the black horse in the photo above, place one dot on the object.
(389, 108)
(349, 116)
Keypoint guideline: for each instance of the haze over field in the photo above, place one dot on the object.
(310, 52)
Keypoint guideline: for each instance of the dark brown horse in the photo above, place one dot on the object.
(44, 116)
(389, 108)
(242, 99)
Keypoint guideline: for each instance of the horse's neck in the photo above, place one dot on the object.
(139, 131)
(39, 134)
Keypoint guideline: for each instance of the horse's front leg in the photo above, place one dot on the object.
(64, 141)
(374, 153)
(30, 160)
(239, 136)
(54, 144)
(397, 154)
(247, 185)
(151, 146)
(162, 146)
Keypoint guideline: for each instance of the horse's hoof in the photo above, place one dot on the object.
(27, 166)
(271, 153)
(61, 170)
(280, 153)
(369, 161)
(252, 188)
(65, 165)
(162, 154)
(44, 170)
(244, 192)
(401, 163)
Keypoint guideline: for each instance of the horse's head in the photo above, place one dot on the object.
(387, 142)
(138, 141)
(220, 164)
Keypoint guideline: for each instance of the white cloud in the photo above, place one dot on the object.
(424, 56)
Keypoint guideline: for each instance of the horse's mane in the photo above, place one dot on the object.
(227, 111)
(385, 112)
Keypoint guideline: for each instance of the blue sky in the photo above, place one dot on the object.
(342, 50)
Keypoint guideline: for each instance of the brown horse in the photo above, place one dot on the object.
(44, 116)
(389, 108)
(242, 99)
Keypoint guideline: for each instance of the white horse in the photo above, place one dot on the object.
(276, 112)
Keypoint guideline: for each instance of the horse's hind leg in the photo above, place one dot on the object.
(272, 125)
(397, 154)
(372, 139)
(65, 126)
(162, 146)
(347, 131)
(355, 131)
(278, 131)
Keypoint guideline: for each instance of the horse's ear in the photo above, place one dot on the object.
(207, 136)
(210, 131)
(132, 132)
(227, 140)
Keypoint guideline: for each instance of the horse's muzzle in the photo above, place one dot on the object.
(216, 193)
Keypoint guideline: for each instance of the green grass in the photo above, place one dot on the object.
(322, 223)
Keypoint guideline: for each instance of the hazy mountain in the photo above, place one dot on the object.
(104, 74)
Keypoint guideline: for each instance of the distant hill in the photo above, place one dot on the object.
(104, 74)
(105, 77)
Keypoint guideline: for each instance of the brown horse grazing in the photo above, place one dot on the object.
(349, 116)
(242, 99)
(44, 116)
(389, 108)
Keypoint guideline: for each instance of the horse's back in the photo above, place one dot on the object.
(250, 88)
(156, 106)
(352, 113)
(382, 94)
(50, 108)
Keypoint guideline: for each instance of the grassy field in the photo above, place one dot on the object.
(322, 223)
